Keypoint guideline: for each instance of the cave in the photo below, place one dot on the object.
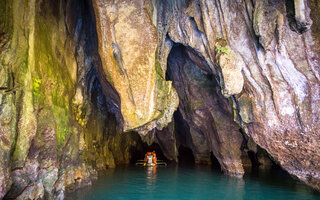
(204, 117)
(215, 163)
(90, 86)
(185, 156)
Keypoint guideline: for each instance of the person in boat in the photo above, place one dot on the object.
(151, 158)
(146, 156)
(154, 157)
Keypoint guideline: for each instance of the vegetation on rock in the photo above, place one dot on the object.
(75, 75)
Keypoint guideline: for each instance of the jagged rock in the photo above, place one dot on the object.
(49, 91)
(7, 115)
(303, 22)
(267, 22)
(147, 100)
(245, 108)
(167, 141)
(72, 73)
(7, 133)
(282, 79)
(35, 191)
(231, 80)
(208, 114)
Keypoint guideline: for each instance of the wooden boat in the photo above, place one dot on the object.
(144, 163)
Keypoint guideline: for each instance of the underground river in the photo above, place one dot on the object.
(193, 182)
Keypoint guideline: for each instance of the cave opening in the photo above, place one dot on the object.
(291, 16)
(215, 165)
(105, 132)
(180, 58)
(138, 153)
(185, 156)
(200, 105)
(253, 158)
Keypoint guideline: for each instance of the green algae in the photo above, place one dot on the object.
(36, 83)
(63, 128)
(222, 50)
(55, 86)
(221, 46)
(164, 89)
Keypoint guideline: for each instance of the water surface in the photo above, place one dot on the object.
(200, 182)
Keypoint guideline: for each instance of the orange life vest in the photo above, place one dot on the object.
(154, 158)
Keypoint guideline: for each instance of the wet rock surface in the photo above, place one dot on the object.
(280, 98)
(128, 47)
(57, 126)
(75, 75)
(209, 115)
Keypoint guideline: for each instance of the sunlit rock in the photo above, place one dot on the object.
(231, 79)
(128, 47)
(74, 75)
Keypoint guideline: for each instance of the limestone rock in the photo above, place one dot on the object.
(303, 22)
(166, 138)
(267, 22)
(208, 115)
(245, 108)
(231, 79)
(134, 69)
(280, 72)
(7, 133)
(49, 93)
(74, 73)
(35, 191)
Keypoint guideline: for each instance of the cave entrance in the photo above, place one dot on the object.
(139, 152)
(215, 165)
(291, 16)
(185, 156)
(253, 159)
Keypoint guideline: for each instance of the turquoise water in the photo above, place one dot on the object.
(196, 183)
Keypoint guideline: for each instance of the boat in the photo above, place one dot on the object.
(144, 163)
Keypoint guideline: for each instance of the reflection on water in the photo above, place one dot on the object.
(151, 176)
(199, 182)
(237, 187)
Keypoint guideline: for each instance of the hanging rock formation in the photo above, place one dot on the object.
(128, 47)
(57, 128)
(269, 65)
(79, 79)
(279, 103)
(208, 114)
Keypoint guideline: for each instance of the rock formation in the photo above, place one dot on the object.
(208, 114)
(128, 47)
(80, 79)
(57, 128)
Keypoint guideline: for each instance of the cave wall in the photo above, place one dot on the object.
(57, 126)
(75, 74)
(263, 54)
(207, 112)
(135, 70)
(278, 106)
